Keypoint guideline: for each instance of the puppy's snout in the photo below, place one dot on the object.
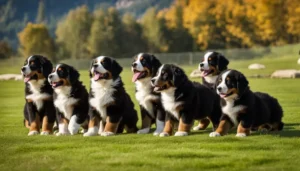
(23, 69)
(201, 65)
(219, 88)
(134, 65)
(153, 81)
(95, 66)
(50, 76)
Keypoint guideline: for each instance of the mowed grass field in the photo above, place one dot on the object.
(277, 151)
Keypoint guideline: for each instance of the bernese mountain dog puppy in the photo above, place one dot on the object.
(144, 67)
(184, 100)
(70, 99)
(245, 109)
(111, 109)
(211, 66)
(39, 111)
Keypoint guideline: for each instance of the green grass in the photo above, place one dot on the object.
(145, 152)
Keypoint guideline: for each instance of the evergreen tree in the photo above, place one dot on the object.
(41, 12)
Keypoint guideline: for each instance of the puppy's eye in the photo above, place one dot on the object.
(59, 69)
(209, 59)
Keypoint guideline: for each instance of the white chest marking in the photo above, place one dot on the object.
(103, 94)
(64, 103)
(168, 101)
(211, 79)
(144, 96)
(37, 97)
(232, 111)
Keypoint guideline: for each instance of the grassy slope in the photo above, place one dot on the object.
(129, 152)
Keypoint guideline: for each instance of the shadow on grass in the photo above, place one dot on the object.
(288, 131)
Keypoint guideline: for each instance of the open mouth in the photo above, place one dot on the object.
(138, 75)
(57, 84)
(223, 95)
(205, 73)
(30, 77)
(99, 75)
(157, 88)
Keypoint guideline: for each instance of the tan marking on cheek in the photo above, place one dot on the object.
(109, 75)
(224, 127)
(40, 76)
(213, 69)
(232, 90)
(65, 82)
(148, 72)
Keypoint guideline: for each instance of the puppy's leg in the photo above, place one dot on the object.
(184, 127)
(93, 126)
(146, 122)
(223, 128)
(74, 126)
(49, 118)
(63, 127)
(242, 131)
(160, 122)
(203, 123)
(47, 126)
(110, 126)
(168, 129)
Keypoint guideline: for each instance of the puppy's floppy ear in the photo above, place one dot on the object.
(178, 75)
(155, 65)
(73, 75)
(47, 66)
(242, 84)
(222, 62)
(116, 68)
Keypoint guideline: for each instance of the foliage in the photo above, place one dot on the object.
(35, 39)
(5, 50)
(41, 12)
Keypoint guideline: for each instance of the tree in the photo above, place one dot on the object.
(41, 12)
(35, 39)
(5, 50)
(72, 32)
(153, 31)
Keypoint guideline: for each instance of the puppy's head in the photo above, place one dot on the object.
(104, 67)
(231, 84)
(36, 67)
(63, 75)
(168, 76)
(213, 63)
(144, 65)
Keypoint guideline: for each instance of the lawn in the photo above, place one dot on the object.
(144, 152)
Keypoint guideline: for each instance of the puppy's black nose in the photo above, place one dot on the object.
(201, 65)
(134, 64)
(95, 66)
(50, 76)
(23, 69)
(219, 88)
(152, 81)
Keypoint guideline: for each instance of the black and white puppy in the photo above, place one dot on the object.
(184, 100)
(243, 108)
(111, 108)
(70, 99)
(144, 67)
(213, 63)
(39, 110)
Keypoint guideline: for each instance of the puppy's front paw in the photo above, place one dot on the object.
(181, 133)
(156, 133)
(164, 134)
(106, 134)
(240, 135)
(73, 128)
(91, 132)
(197, 128)
(214, 134)
(62, 133)
(31, 133)
(143, 131)
(45, 133)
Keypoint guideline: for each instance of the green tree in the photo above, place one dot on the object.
(5, 50)
(41, 12)
(73, 31)
(35, 39)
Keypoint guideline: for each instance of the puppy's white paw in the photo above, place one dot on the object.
(181, 133)
(156, 133)
(73, 126)
(197, 128)
(164, 134)
(214, 134)
(106, 134)
(31, 133)
(240, 135)
(91, 132)
(45, 133)
(143, 131)
(62, 133)
(160, 125)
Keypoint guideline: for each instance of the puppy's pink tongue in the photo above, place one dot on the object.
(96, 76)
(204, 73)
(26, 79)
(135, 76)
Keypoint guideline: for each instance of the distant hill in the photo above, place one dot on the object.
(55, 9)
